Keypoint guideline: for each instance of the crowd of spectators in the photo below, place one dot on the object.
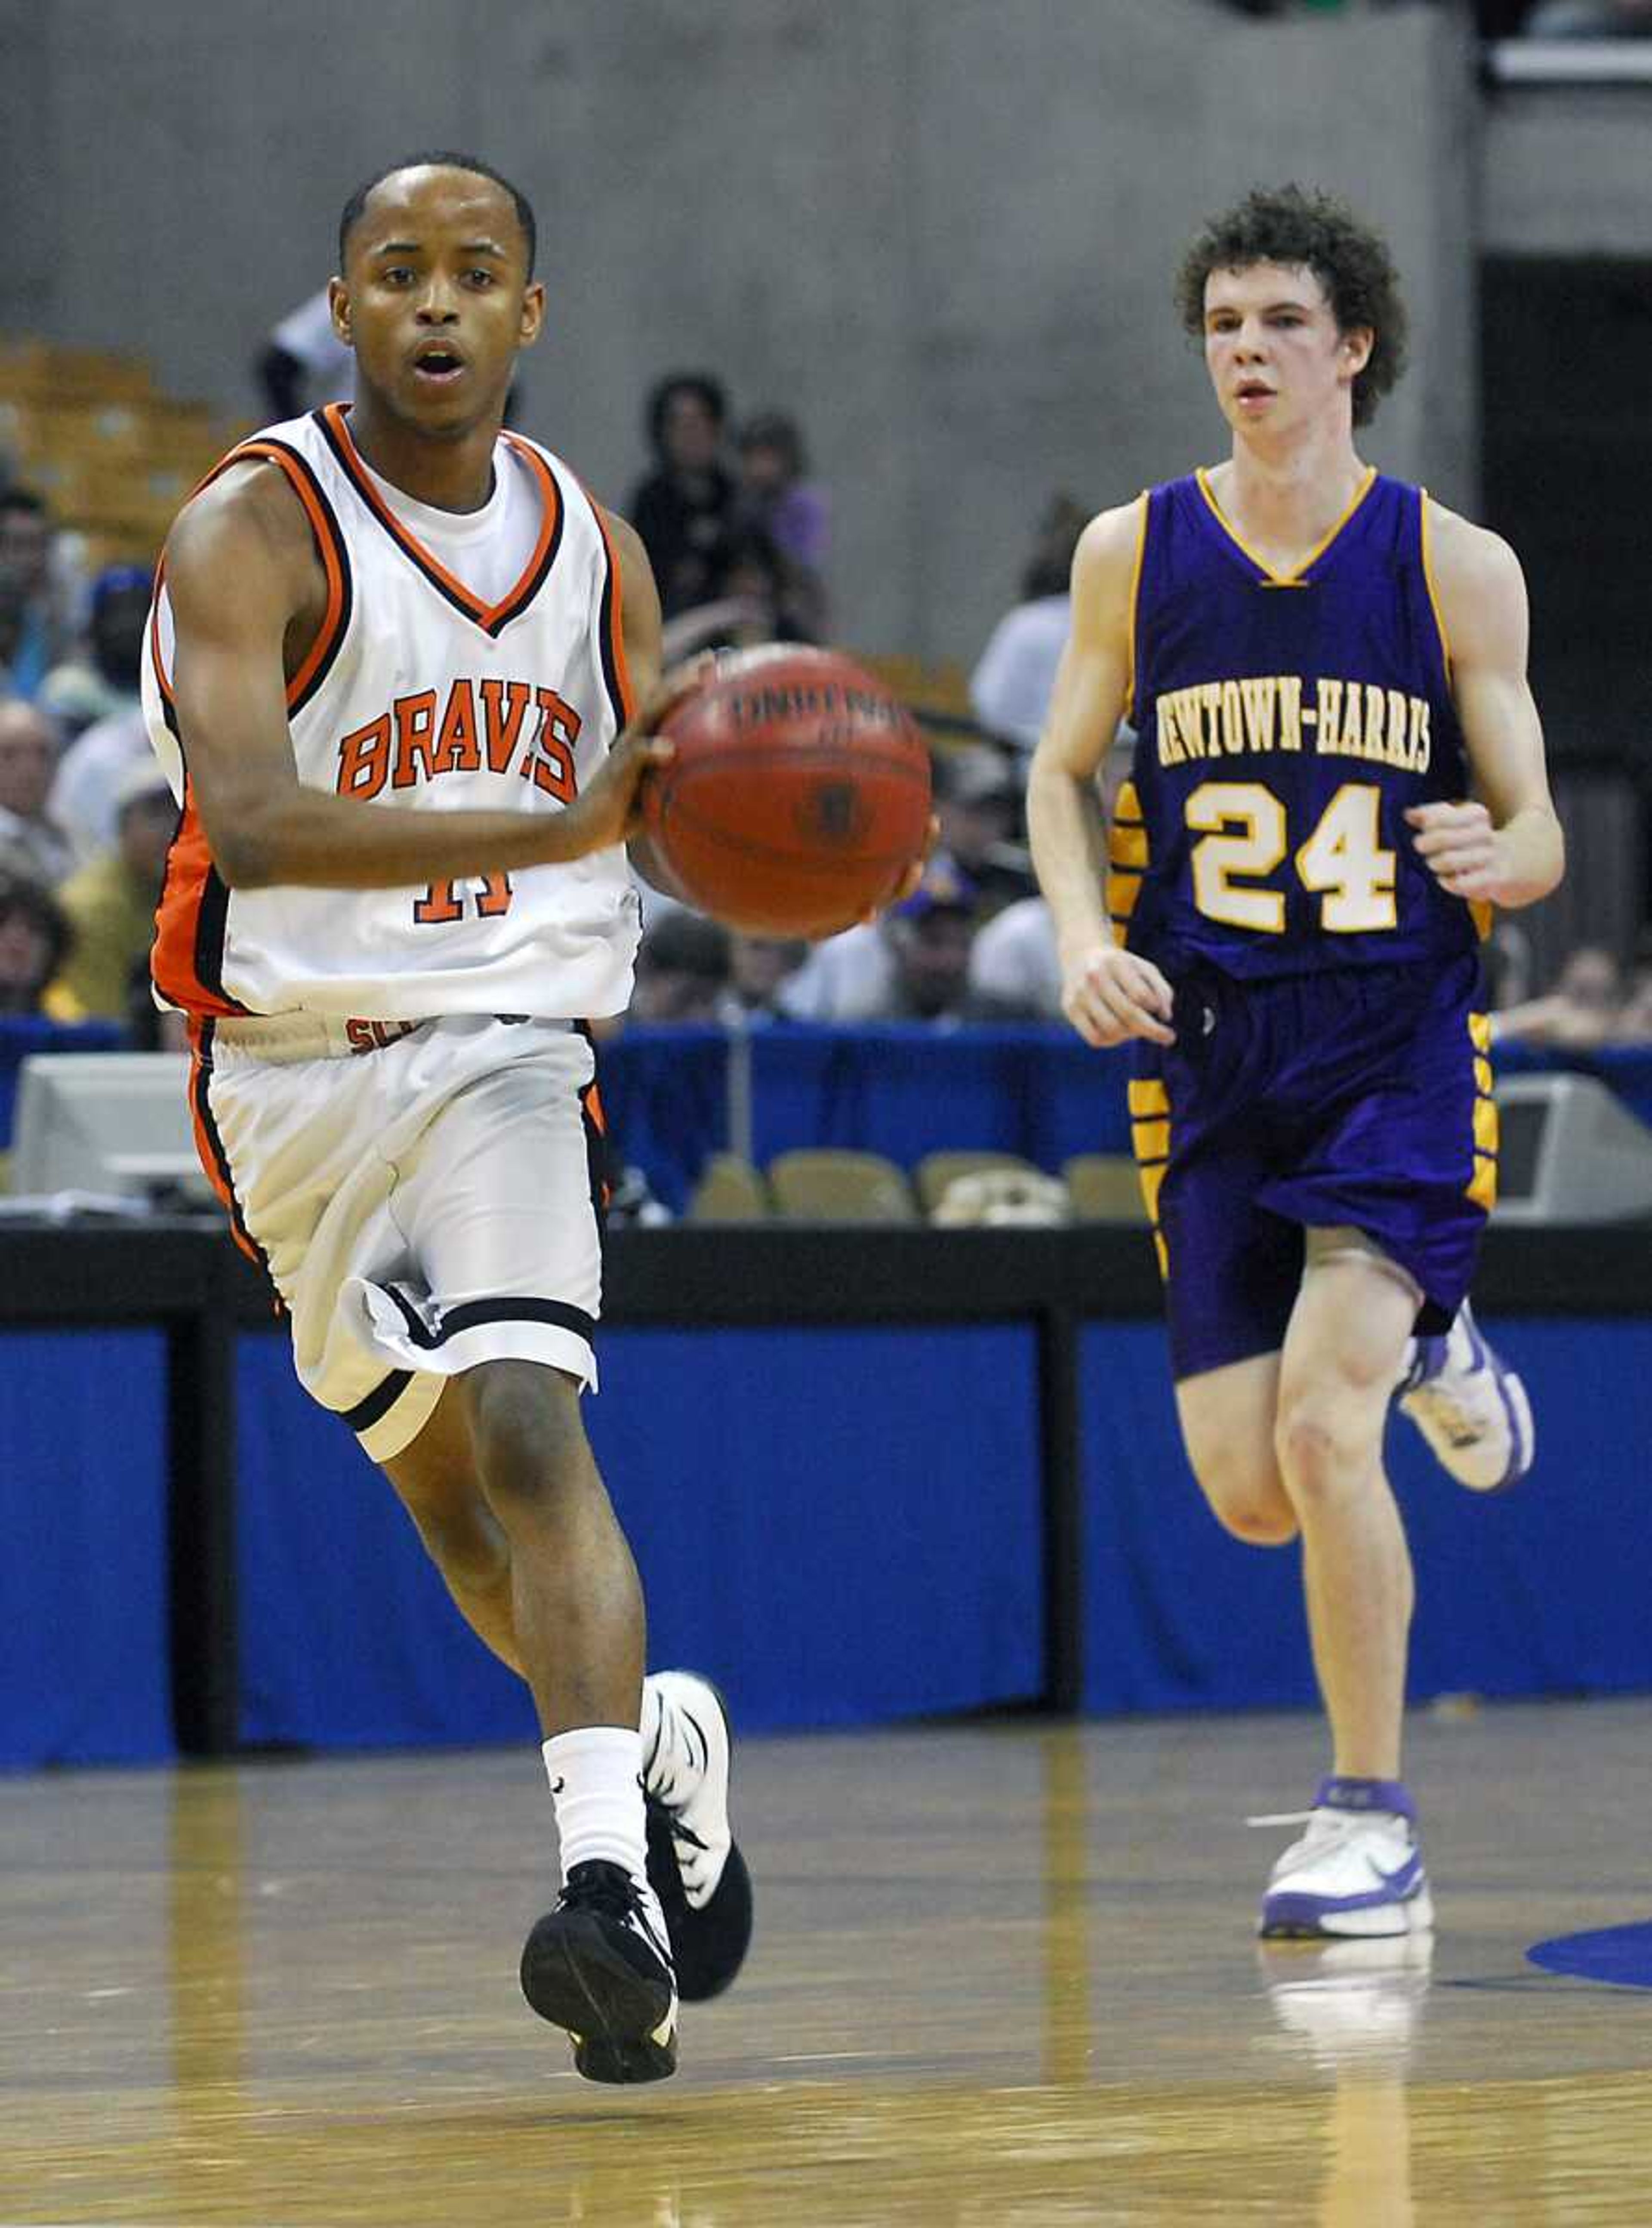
(737, 533)
(1594, 1000)
(85, 815)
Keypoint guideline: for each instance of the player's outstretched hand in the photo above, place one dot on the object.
(911, 881)
(610, 810)
(1459, 845)
(1109, 994)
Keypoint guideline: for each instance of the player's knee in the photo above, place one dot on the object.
(1245, 1494)
(465, 1544)
(1320, 1458)
(530, 1444)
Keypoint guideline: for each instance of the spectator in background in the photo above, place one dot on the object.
(929, 939)
(1632, 1023)
(684, 509)
(978, 807)
(1589, 19)
(1014, 965)
(35, 942)
(752, 609)
(110, 902)
(1581, 1009)
(683, 968)
(304, 363)
(30, 840)
(792, 512)
(88, 775)
(1010, 690)
(100, 682)
(38, 632)
(912, 964)
(759, 967)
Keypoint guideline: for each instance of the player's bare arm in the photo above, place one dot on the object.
(1505, 846)
(1108, 994)
(233, 655)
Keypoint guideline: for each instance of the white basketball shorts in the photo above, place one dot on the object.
(424, 1204)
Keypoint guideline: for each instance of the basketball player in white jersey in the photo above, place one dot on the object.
(403, 675)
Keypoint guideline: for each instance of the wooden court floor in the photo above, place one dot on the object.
(1004, 1978)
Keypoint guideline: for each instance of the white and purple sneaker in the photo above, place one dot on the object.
(1470, 1406)
(1357, 1871)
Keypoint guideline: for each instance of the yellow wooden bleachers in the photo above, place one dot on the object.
(88, 430)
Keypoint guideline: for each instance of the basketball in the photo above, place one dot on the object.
(797, 799)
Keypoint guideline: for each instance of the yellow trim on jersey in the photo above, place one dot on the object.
(1276, 579)
(1149, 1137)
(1428, 579)
(1127, 855)
(1480, 1190)
(1150, 1140)
(1135, 594)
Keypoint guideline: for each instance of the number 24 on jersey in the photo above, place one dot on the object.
(1244, 835)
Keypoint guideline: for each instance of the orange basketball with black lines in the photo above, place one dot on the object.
(797, 799)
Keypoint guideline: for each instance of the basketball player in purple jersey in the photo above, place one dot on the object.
(1339, 767)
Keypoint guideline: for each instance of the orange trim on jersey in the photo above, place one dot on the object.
(489, 616)
(175, 959)
(329, 545)
(207, 1149)
(614, 633)
(190, 917)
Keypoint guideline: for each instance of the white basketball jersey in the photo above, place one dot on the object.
(427, 690)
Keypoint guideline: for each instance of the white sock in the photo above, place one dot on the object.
(597, 1792)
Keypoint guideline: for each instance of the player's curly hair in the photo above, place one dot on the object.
(1291, 225)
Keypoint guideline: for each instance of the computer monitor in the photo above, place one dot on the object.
(1569, 1151)
(106, 1124)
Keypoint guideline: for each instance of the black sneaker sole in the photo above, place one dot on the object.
(708, 1947)
(572, 1976)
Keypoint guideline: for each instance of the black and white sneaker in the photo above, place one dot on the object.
(598, 1965)
(694, 1865)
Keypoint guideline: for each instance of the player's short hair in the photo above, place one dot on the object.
(1291, 225)
(437, 158)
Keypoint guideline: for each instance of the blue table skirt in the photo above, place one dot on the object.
(84, 1670)
(841, 1525)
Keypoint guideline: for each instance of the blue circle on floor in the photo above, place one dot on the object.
(1620, 1955)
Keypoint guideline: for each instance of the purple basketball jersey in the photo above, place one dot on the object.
(1285, 725)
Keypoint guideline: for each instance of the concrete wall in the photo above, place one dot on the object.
(942, 231)
(1567, 171)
